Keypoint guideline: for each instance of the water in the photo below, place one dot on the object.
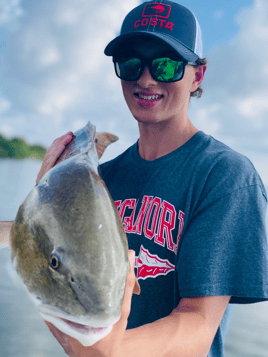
(248, 333)
(23, 332)
(17, 178)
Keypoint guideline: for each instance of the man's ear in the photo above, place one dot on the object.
(199, 76)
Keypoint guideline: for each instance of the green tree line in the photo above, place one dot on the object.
(18, 149)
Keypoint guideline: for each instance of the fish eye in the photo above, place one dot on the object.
(54, 261)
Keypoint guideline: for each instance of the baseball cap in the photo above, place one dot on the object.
(166, 20)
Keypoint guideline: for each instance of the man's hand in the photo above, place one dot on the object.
(109, 346)
(53, 153)
(5, 228)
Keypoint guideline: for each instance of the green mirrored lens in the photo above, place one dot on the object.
(128, 69)
(167, 70)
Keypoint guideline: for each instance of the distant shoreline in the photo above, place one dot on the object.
(21, 158)
(19, 149)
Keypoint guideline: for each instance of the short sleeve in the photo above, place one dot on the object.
(224, 248)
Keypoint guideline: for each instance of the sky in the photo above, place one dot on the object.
(54, 76)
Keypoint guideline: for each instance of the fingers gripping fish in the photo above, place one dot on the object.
(68, 243)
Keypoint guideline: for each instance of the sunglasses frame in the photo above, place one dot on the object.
(148, 62)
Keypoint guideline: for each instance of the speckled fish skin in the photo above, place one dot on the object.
(70, 218)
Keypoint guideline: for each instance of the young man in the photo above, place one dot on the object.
(193, 209)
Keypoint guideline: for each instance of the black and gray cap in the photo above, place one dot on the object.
(168, 21)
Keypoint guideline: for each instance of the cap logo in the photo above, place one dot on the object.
(156, 10)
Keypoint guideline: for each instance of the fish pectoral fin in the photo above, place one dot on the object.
(5, 228)
(102, 140)
(137, 288)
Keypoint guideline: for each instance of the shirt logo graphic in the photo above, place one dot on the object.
(151, 266)
(156, 10)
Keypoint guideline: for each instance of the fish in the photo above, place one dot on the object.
(68, 243)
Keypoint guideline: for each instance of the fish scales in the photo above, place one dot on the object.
(69, 246)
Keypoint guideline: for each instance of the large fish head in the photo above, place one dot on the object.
(70, 249)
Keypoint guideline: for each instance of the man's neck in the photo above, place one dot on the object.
(159, 139)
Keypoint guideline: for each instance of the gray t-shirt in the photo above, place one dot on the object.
(196, 220)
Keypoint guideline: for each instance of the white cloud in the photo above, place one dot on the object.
(5, 105)
(49, 56)
(10, 11)
(202, 118)
(68, 16)
(9, 126)
(6, 130)
(253, 106)
(57, 74)
(57, 77)
(236, 84)
(78, 124)
(57, 102)
(37, 46)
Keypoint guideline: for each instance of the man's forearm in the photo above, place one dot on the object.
(181, 334)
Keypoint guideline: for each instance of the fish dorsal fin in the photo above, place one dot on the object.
(82, 141)
(102, 140)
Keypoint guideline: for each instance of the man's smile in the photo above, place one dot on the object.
(148, 100)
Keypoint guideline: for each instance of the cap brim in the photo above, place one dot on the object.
(119, 41)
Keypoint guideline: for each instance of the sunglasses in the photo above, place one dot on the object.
(162, 69)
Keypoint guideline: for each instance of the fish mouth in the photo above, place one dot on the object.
(67, 325)
(79, 327)
(84, 328)
(46, 309)
(85, 334)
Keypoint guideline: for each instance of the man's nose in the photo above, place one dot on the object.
(146, 80)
